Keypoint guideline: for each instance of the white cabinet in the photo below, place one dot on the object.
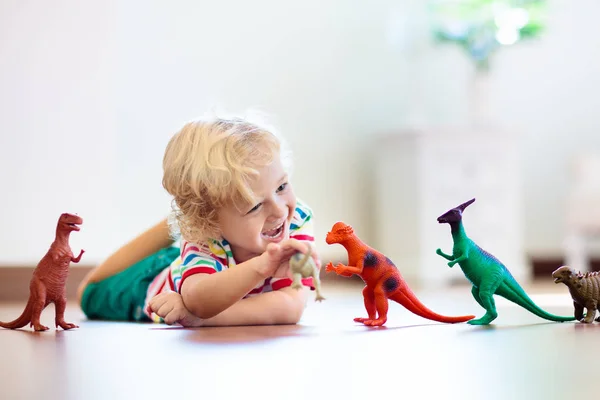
(421, 174)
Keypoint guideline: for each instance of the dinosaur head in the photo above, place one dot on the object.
(455, 214)
(339, 233)
(565, 274)
(69, 222)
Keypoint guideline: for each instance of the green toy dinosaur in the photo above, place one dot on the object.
(485, 272)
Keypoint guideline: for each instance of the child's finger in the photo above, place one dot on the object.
(313, 253)
(165, 309)
(172, 317)
(295, 245)
(283, 271)
(156, 302)
(273, 249)
(317, 261)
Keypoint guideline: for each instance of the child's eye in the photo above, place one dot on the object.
(282, 187)
(254, 208)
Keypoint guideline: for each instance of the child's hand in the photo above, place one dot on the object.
(302, 247)
(313, 253)
(275, 261)
(169, 306)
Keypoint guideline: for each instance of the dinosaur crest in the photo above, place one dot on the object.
(465, 205)
(339, 232)
(455, 214)
(587, 274)
(342, 228)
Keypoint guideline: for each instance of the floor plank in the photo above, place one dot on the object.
(520, 356)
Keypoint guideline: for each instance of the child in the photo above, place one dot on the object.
(238, 221)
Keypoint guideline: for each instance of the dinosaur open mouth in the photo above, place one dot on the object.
(74, 226)
(557, 279)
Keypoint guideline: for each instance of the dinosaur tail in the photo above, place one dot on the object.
(408, 299)
(23, 319)
(511, 290)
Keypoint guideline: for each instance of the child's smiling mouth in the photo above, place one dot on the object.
(274, 233)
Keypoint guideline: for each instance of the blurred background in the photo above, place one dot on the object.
(396, 112)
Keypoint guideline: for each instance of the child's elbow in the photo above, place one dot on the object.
(293, 308)
(192, 294)
(199, 309)
(203, 313)
(292, 316)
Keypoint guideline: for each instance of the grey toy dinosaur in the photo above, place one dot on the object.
(584, 289)
(485, 272)
(303, 266)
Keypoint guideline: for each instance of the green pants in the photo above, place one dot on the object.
(121, 297)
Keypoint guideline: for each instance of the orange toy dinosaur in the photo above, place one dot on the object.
(382, 278)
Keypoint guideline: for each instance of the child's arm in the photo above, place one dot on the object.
(206, 295)
(284, 306)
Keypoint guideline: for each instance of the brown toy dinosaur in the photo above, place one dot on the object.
(47, 284)
(584, 289)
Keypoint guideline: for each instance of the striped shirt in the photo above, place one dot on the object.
(216, 256)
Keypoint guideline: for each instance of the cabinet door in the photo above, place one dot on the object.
(459, 167)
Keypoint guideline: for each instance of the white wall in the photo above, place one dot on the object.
(546, 91)
(57, 152)
(91, 94)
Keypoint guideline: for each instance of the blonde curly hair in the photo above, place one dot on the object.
(207, 165)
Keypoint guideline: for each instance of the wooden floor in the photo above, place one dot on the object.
(520, 356)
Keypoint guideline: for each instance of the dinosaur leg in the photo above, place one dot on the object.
(578, 311)
(485, 294)
(381, 305)
(475, 293)
(297, 280)
(369, 299)
(317, 283)
(579, 314)
(39, 296)
(591, 307)
(61, 305)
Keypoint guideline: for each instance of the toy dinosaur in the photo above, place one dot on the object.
(383, 279)
(584, 289)
(303, 266)
(485, 272)
(47, 284)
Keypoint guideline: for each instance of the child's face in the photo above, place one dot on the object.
(250, 230)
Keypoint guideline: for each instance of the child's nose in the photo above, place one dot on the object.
(279, 210)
